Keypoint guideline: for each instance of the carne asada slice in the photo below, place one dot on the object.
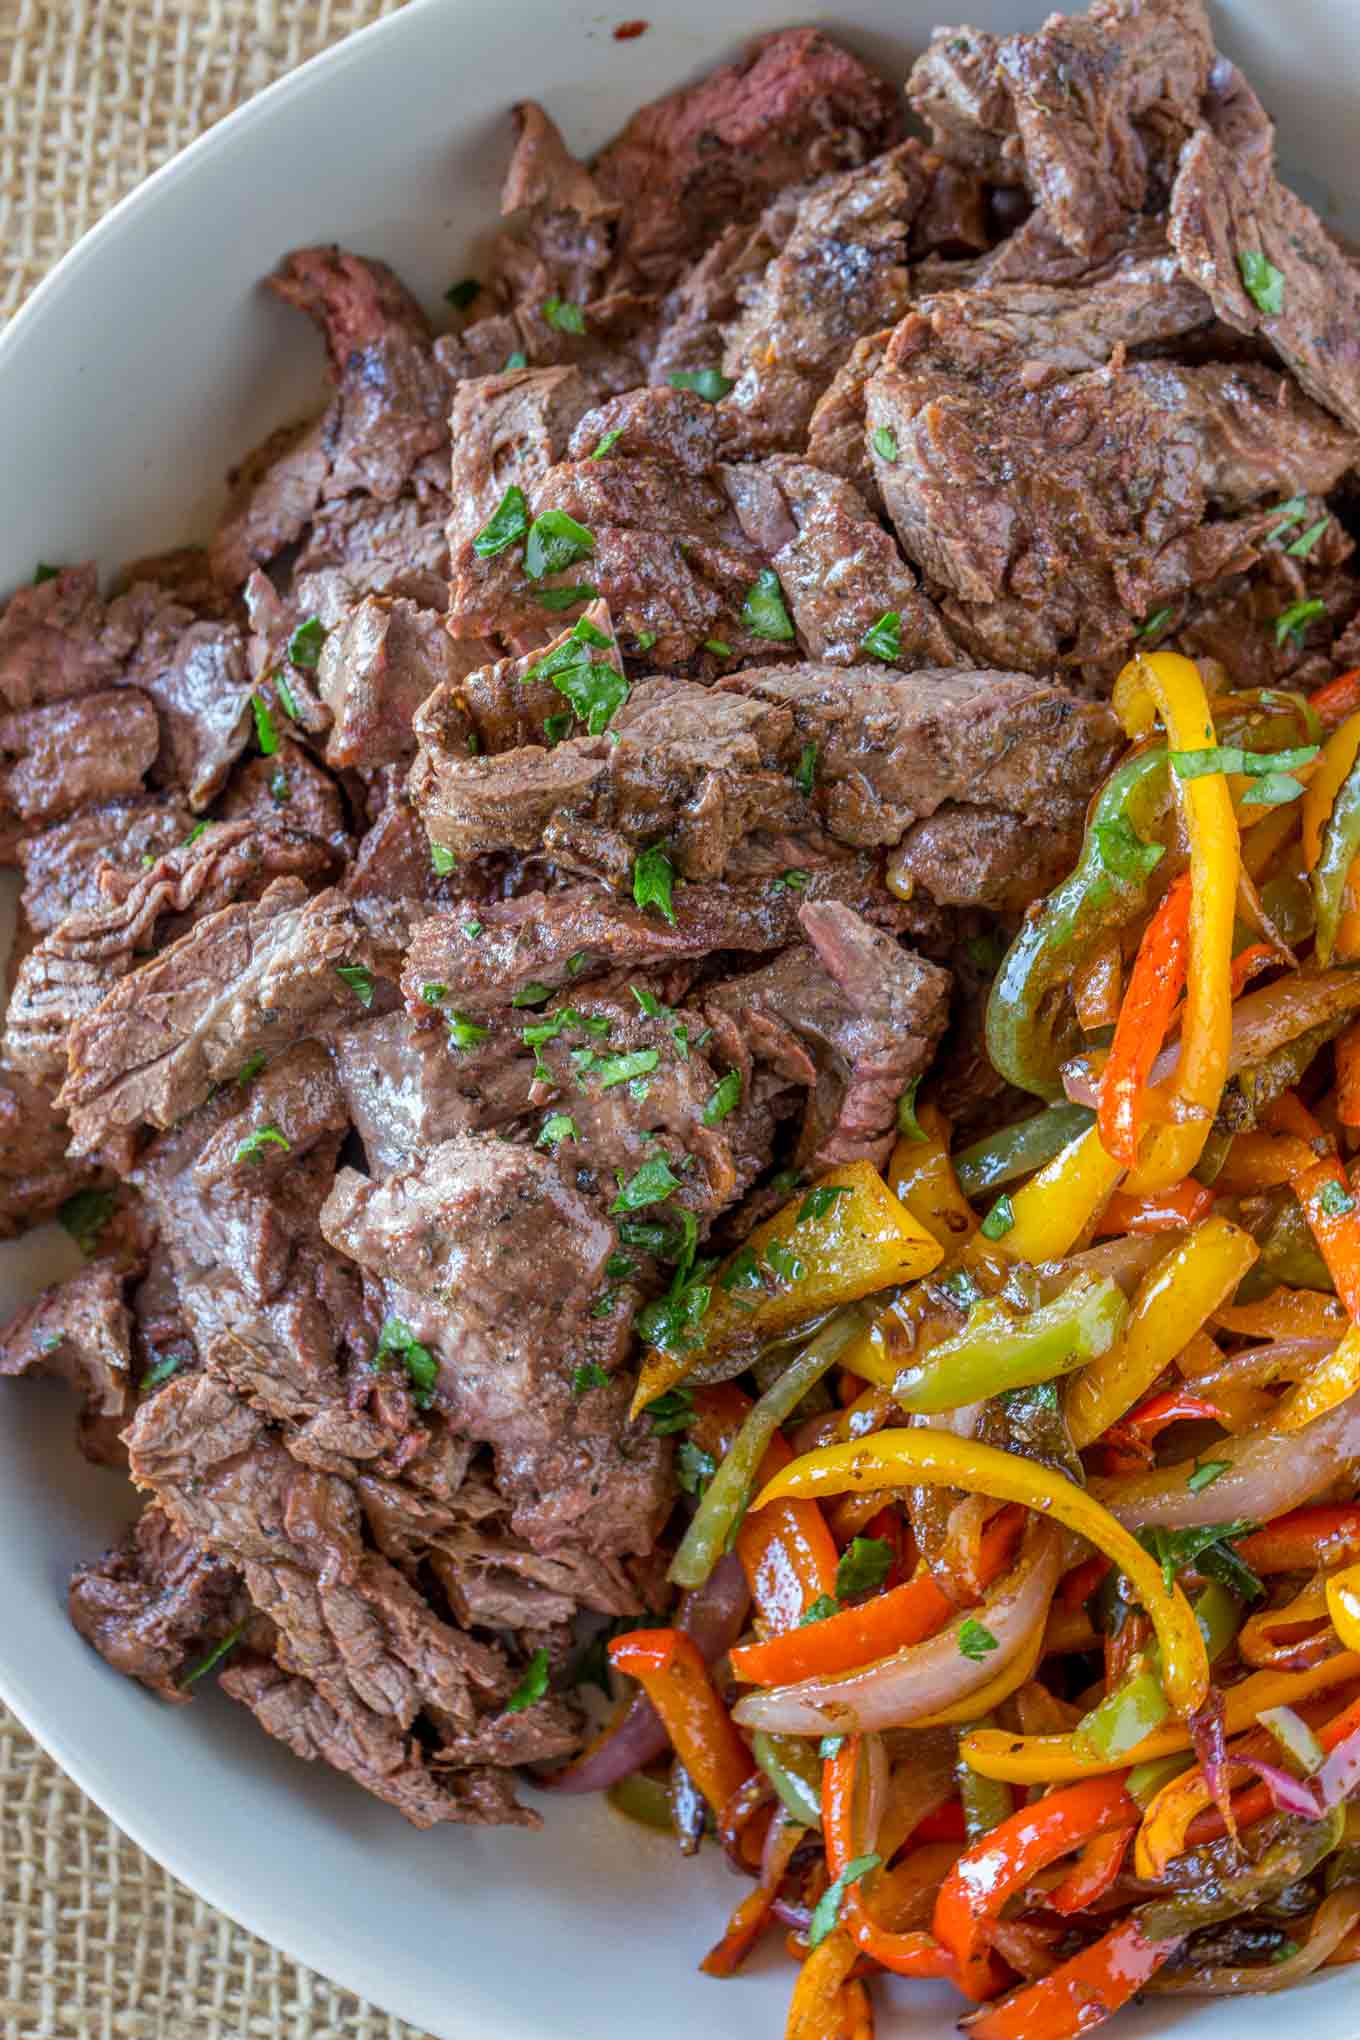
(80, 1330)
(156, 1605)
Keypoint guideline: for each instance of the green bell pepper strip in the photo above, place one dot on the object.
(999, 1350)
(719, 1514)
(1138, 1706)
(1145, 1781)
(644, 1800)
(792, 1765)
(1019, 1150)
(1289, 1255)
(1280, 1851)
(1287, 902)
(1340, 848)
(986, 1801)
(1031, 1027)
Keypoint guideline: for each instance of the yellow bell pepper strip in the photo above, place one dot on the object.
(922, 1176)
(1285, 1314)
(1331, 1382)
(1173, 1300)
(819, 1994)
(1261, 1641)
(1343, 1605)
(1052, 1211)
(900, 1458)
(1018, 1150)
(1055, 1759)
(1334, 767)
(999, 1349)
(1165, 684)
(817, 1252)
(725, 1499)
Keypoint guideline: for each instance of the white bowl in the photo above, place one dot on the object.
(143, 365)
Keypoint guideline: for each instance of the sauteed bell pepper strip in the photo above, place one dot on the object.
(1053, 1759)
(921, 1174)
(1165, 684)
(787, 1553)
(1030, 1030)
(1155, 987)
(1094, 1871)
(1333, 1214)
(1285, 1314)
(1158, 1211)
(818, 1996)
(1347, 1054)
(1328, 851)
(1331, 1382)
(1343, 1605)
(989, 1874)
(1082, 1993)
(1336, 701)
(910, 1954)
(1326, 1534)
(1017, 1151)
(668, 1667)
(900, 1458)
(1054, 1208)
(998, 1350)
(1255, 1803)
(1173, 1300)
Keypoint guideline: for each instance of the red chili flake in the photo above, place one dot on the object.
(627, 30)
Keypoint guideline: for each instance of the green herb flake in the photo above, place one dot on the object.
(421, 1366)
(555, 541)
(1204, 1476)
(254, 1144)
(565, 316)
(975, 1641)
(818, 1610)
(1248, 764)
(555, 727)
(359, 979)
(304, 646)
(644, 640)
(1263, 282)
(169, 1364)
(199, 829)
(285, 696)
(1157, 622)
(1275, 790)
(519, 359)
(84, 1216)
(741, 1273)
(908, 1125)
(884, 639)
(724, 1099)
(650, 1184)
(595, 692)
(589, 1375)
(465, 1033)
(43, 572)
(763, 612)
(461, 294)
(507, 524)
(805, 771)
(828, 1908)
(884, 442)
(1289, 513)
(694, 1468)
(653, 880)
(532, 994)
(1123, 851)
(250, 1068)
(672, 1412)
(999, 1220)
(1306, 540)
(1334, 1202)
(532, 1686)
(266, 736)
(214, 1657)
(566, 597)
(864, 1565)
(559, 1127)
(1294, 621)
(709, 383)
(718, 646)
(620, 1069)
(820, 1201)
(472, 929)
(608, 443)
(1284, 1953)
(783, 1263)
(280, 789)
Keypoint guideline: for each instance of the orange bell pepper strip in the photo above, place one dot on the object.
(1156, 984)
(1333, 1215)
(987, 1876)
(818, 2007)
(911, 1954)
(1258, 1161)
(1285, 1314)
(857, 1636)
(1081, 1994)
(1338, 700)
(787, 1552)
(1094, 1871)
(755, 1911)
(1327, 1535)
(1249, 963)
(1184, 1204)
(668, 1667)
(1347, 1053)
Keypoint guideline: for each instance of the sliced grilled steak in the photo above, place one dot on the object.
(80, 1330)
(36, 1173)
(157, 1604)
(71, 753)
(62, 864)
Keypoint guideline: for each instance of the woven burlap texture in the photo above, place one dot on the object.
(97, 1942)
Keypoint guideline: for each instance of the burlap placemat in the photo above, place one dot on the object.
(97, 1942)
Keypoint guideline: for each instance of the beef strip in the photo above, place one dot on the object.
(837, 441)
(451, 1233)
(70, 753)
(695, 317)
(36, 1173)
(376, 668)
(288, 789)
(59, 640)
(247, 980)
(360, 546)
(157, 1604)
(198, 676)
(62, 864)
(855, 1017)
(690, 164)
(407, 1088)
(80, 1330)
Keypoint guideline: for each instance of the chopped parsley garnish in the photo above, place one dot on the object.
(254, 1144)
(1294, 621)
(975, 1641)
(671, 1323)
(419, 1362)
(589, 1375)
(1263, 282)
(884, 442)
(556, 727)
(820, 1201)
(644, 640)
(555, 541)
(84, 1216)
(1229, 758)
(618, 1069)
(280, 789)
(565, 597)
(884, 639)
(561, 1126)
(1123, 852)
(718, 646)
(828, 1907)
(1204, 1476)
(724, 1099)
(620, 1268)
(783, 1263)
(507, 524)
(763, 611)
(465, 1033)
(1289, 513)
(653, 879)
(818, 1610)
(266, 736)
(651, 1184)
(461, 294)
(595, 693)
(805, 771)
(908, 1125)
(1333, 1201)
(532, 994)
(1306, 540)
(864, 1565)
(608, 443)
(359, 979)
(1158, 620)
(1272, 791)
(603, 1306)
(741, 1273)
(167, 1365)
(519, 359)
(472, 929)
(250, 1068)
(43, 572)
(285, 695)
(532, 1686)
(961, 1289)
(694, 1468)
(790, 881)
(432, 993)
(199, 829)
(567, 317)
(999, 1220)
(304, 646)
(215, 1655)
(708, 383)
(1209, 1549)
(672, 1412)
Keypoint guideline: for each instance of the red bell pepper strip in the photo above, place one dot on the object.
(1080, 1995)
(786, 1550)
(1094, 1871)
(1185, 1203)
(1076, 1587)
(1325, 1536)
(674, 1677)
(1338, 700)
(1149, 1420)
(755, 1911)
(1156, 984)
(989, 1874)
(914, 1954)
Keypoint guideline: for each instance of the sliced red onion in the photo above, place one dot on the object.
(1125, 1260)
(1340, 1773)
(1288, 1793)
(714, 1615)
(1258, 1366)
(1266, 1472)
(925, 1677)
(1210, 1745)
(740, 1810)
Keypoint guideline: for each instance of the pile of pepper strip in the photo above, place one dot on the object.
(1017, 1642)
